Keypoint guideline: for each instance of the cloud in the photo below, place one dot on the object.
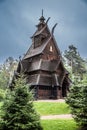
(1, 1)
(19, 17)
(85, 1)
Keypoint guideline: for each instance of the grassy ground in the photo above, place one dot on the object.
(59, 124)
(51, 108)
(47, 108)
(54, 108)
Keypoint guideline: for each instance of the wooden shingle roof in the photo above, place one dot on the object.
(42, 79)
(36, 51)
(45, 65)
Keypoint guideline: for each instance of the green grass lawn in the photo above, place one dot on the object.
(51, 108)
(59, 124)
(47, 108)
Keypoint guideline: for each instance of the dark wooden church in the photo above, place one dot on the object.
(42, 65)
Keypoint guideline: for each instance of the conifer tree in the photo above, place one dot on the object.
(18, 109)
(77, 100)
(77, 63)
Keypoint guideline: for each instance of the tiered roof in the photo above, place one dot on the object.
(43, 71)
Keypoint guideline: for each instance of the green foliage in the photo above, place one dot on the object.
(59, 124)
(4, 79)
(76, 62)
(2, 94)
(77, 100)
(18, 110)
(51, 108)
(6, 72)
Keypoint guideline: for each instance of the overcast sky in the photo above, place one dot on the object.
(19, 17)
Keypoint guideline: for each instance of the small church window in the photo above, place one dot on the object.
(51, 48)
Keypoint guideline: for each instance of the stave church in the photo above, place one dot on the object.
(42, 64)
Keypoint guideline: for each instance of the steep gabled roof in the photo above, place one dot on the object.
(32, 51)
(36, 51)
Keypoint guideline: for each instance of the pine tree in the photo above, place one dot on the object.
(83, 111)
(77, 100)
(76, 62)
(18, 109)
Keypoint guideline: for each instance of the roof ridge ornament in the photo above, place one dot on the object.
(53, 28)
(47, 20)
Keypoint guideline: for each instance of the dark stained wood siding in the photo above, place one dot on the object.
(51, 51)
(42, 64)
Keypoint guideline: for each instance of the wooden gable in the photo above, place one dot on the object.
(51, 52)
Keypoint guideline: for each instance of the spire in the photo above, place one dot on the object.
(42, 19)
(42, 12)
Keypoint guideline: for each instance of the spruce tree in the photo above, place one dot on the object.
(83, 111)
(18, 109)
(77, 63)
(77, 100)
